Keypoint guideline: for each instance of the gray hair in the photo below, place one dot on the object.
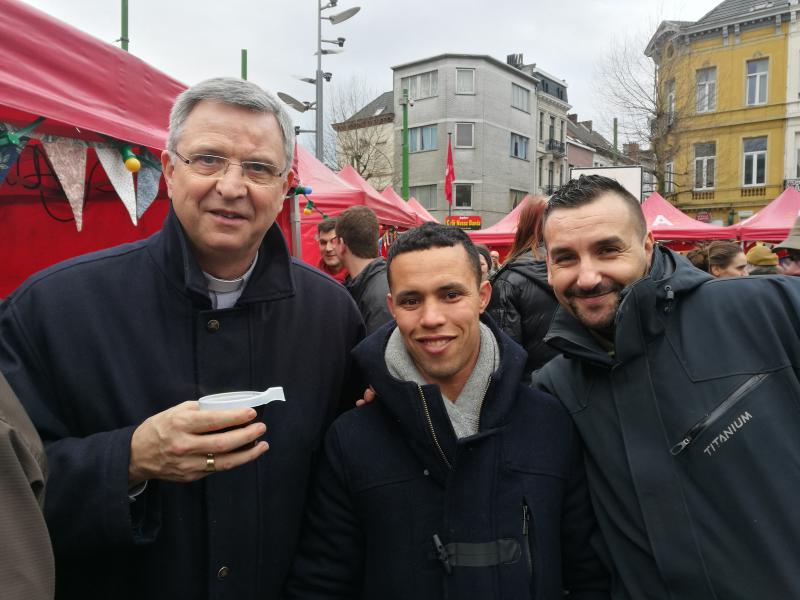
(238, 92)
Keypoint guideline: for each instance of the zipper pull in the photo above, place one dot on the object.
(669, 299)
(680, 446)
(441, 554)
(526, 517)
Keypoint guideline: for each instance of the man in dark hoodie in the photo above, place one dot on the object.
(460, 482)
(689, 423)
(357, 233)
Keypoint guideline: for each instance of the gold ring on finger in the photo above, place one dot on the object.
(210, 465)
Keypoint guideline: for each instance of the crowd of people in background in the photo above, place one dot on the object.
(582, 419)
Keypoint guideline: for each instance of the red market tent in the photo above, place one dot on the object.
(773, 222)
(668, 223)
(501, 234)
(85, 89)
(423, 213)
(390, 211)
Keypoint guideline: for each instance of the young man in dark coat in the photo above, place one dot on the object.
(358, 234)
(459, 481)
(150, 497)
(685, 390)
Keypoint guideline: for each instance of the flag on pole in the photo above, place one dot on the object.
(449, 174)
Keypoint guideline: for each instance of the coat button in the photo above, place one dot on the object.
(223, 573)
(212, 325)
(426, 472)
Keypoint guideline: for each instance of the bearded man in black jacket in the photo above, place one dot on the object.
(685, 390)
(460, 481)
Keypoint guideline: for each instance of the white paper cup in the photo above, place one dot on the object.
(230, 400)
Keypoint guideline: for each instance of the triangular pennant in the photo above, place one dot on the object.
(68, 158)
(119, 176)
(147, 180)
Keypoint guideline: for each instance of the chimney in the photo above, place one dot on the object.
(587, 124)
(631, 150)
(573, 117)
(515, 60)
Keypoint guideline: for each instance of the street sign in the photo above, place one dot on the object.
(470, 222)
(703, 216)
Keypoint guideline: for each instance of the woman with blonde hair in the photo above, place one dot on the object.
(522, 301)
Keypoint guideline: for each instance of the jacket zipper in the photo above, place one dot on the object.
(706, 422)
(431, 429)
(483, 397)
(526, 517)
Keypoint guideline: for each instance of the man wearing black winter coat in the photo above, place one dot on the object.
(149, 497)
(459, 481)
(685, 390)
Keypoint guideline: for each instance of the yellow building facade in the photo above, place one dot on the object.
(723, 84)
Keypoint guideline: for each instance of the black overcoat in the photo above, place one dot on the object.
(97, 344)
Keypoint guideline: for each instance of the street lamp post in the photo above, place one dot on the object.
(320, 76)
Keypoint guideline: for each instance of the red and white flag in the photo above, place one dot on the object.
(449, 174)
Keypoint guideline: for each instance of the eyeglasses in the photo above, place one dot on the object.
(790, 258)
(215, 167)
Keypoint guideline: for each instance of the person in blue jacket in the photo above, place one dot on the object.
(148, 496)
(459, 480)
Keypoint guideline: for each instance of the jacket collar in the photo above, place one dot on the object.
(402, 400)
(271, 279)
(640, 315)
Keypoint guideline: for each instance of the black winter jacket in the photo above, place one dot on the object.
(523, 305)
(369, 290)
(394, 478)
(691, 432)
(97, 344)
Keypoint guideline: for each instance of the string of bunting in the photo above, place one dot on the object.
(68, 159)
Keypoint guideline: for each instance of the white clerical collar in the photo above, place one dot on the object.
(227, 291)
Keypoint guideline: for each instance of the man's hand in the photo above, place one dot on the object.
(174, 445)
(369, 396)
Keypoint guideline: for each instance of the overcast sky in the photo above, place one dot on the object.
(192, 40)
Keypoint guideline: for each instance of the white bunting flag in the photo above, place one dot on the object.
(68, 158)
(119, 176)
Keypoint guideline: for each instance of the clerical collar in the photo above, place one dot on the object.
(226, 286)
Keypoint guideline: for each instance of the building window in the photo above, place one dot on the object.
(669, 178)
(707, 89)
(541, 171)
(757, 81)
(560, 175)
(562, 130)
(550, 175)
(552, 128)
(541, 126)
(704, 161)
(519, 146)
(755, 161)
(670, 102)
(465, 81)
(422, 138)
(797, 167)
(465, 137)
(516, 196)
(520, 97)
(425, 195)
(463, 195)
(421, 86)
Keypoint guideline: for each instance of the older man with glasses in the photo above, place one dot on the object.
(150, 497)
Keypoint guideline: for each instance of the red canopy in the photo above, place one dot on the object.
(83, 86)
(668, 223)
(501, 233)
(390, 211)
(414, 205)
(773, 222)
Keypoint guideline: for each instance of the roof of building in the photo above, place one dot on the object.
(379, 110)
(498, 63)
(730, 10)
(594, 140)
